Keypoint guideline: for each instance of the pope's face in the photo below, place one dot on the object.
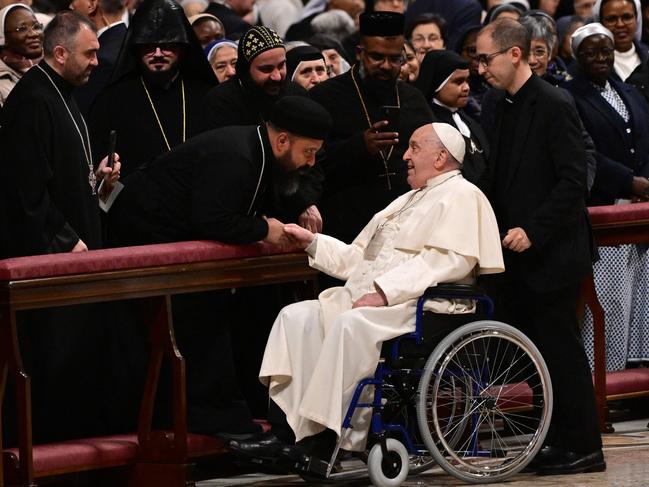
(423, 152)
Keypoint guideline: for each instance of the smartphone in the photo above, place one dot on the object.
(391, 114)
(112, 142)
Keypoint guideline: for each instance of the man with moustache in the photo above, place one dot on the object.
(49, 204)
(159, 82)
(364, 167)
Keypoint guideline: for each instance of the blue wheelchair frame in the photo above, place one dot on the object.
(383, 371)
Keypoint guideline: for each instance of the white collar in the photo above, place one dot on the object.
(437, 102)
(104, 29)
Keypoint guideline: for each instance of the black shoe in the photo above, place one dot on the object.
(303, 463)
(263, 446)
(571, 463)
(546, 455)
(227, 438)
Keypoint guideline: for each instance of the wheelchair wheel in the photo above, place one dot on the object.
(496, 377)
(389, 470)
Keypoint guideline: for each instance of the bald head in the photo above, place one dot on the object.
(428, 156)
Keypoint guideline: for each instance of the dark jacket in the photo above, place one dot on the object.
(622, 148)
(542, 189)
(233, 24)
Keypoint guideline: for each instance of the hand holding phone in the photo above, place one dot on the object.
(391, 115)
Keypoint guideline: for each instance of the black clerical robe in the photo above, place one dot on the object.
(356, 184)
(47, 205)
(47, 200)
(216, 186)
(125, 107)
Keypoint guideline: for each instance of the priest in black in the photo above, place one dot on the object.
(159, 82)
(364, 169)
(444, 81)
(232, 184)
(48, 204)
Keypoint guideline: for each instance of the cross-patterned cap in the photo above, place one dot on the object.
(257, 40)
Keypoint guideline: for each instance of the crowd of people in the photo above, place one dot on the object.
(277, 120)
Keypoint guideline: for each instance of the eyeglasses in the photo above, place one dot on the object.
(395, 60)
(590, 54)
(166, 47)
(485, 59)
(540, 52)
(36, 27)
(614, 19)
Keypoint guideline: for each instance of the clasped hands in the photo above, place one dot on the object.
(292, 235)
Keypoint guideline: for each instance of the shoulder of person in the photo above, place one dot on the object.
(331, 86)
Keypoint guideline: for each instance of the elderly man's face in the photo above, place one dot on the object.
(423, 155)
(81, 59)
(382, 57)
(596, 57)
(333, 62)
(268, 70)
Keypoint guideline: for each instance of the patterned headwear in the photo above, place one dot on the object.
(256, 40)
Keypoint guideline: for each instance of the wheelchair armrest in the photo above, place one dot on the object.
(454, 290)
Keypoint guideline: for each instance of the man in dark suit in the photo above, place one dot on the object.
(108, 16)
(536, 183)
(231, 13)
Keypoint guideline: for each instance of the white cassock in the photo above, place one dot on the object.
(319, 350)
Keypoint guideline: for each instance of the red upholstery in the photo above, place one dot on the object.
(627, 382)
(52, 265)
(82, 454)
(600, 215)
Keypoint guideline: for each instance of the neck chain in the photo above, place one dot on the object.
(384, 158)
(414, 199)
(155, 112)
(92, 178)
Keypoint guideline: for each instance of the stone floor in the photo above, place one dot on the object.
(626, 452)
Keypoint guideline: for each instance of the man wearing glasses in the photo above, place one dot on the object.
(536, 183)
(374, 116)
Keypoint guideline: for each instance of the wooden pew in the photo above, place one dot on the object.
(614, 225)
(151, 274)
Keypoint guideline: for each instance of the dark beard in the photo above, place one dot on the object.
(382, 90)
(287, 183)
(160, 79)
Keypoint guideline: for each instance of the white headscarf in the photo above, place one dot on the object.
(585, 31)
(3, 16)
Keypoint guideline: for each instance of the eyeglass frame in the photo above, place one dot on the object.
(484, 60)
(402, 57)
(36, 27)
(613, 19)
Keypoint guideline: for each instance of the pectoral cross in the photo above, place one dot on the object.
(387, 173)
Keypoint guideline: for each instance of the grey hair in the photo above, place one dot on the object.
(540, 29)
(336, 23)
(63, 29)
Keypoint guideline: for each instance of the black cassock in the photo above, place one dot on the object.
(125, 107)
(215, 186)
(356, 185)
(47, 204)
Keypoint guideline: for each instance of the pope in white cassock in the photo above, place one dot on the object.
(444, 230)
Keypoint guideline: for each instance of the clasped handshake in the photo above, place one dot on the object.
(292, 235)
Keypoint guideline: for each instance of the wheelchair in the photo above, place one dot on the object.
(479, 405)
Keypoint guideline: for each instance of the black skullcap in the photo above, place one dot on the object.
(298, 54)
(159, 22)
(382, 24)
(256, 40)
(435, 68)
(301, 116)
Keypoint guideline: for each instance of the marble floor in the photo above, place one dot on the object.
(626, 452)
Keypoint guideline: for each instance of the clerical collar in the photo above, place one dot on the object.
(522, 92)
(63, 85)
(451, 109)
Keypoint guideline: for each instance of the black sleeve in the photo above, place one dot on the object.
(219, 108)
(33, 223)
(221, 201)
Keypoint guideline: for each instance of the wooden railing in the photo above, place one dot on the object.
(151, 274)
(612, 225)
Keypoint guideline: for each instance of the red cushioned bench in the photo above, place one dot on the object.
(614, 225)
(150, 274)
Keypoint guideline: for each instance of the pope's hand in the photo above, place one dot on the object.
(516, 240)
(311, 219)
(298, 236)
(370, 299)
